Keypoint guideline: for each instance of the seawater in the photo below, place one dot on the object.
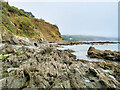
(81, 50)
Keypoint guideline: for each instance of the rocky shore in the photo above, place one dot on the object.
(28, 58)
(44, 66)
(107, 54)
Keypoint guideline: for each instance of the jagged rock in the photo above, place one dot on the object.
(110, 67)
(50, 68)
(6, 49)
(93, 72)
(7, 37)
(107, 54)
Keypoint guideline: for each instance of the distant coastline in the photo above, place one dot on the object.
(84, 38)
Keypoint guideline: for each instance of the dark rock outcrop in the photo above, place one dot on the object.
(107, 54)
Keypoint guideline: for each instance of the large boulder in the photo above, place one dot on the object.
(107, 54)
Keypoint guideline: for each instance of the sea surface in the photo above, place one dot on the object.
(81, 50)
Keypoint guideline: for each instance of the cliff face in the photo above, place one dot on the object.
(24, 24)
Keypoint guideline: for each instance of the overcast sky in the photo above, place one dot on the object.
(77, 18)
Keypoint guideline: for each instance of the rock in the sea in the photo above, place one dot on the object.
(107, 54)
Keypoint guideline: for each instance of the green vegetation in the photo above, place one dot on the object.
(8, 14)
(19, 50)
(119, 69)
(14, 67)
(4, 74)
(37, 25)
(4, 56)
(13, 9)
(28, 13)
(36, 19)
(56, 26)
(23, 23)
(16, 10)
(41, 20)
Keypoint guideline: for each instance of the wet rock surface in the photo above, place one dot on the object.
(107, 54)
(47, 67)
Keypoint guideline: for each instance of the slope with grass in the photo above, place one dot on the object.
(24, 24)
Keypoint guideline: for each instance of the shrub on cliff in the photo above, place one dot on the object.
(24, 24)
